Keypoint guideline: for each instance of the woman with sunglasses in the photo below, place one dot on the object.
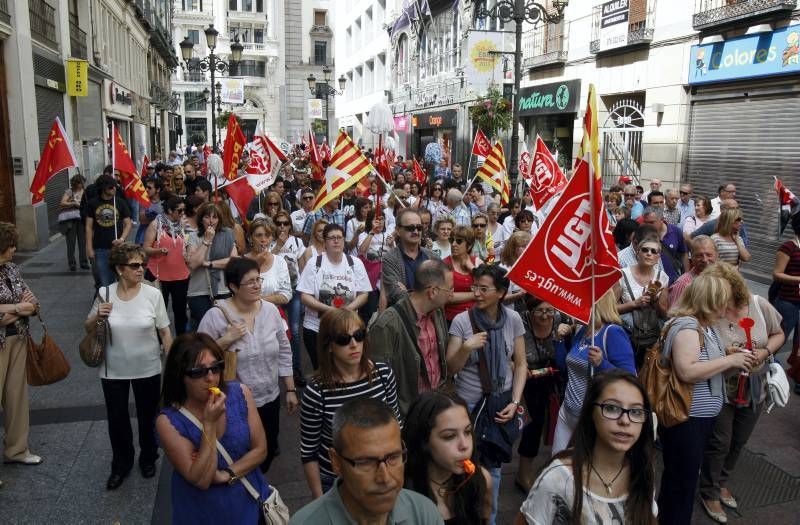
(275, 282)
(165, 246)
(435, 202)
(356, 225)
(178, 182)
(271, 203)
(499, 235)
(439, 437)
(316, 246)
(608, 475)
(205, 488)
(512, 251)
(462, 264)
(442, 228)
(492, 332)
(605, 347)
(137, 318)
(254, 329)
(345, 372)
(480, 223)
(730, 246)
(524, 221)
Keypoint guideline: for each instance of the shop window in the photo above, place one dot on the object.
(320, 52)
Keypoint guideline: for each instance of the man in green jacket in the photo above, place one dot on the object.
(411, 336)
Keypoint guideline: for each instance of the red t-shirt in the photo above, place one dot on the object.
(462, 282)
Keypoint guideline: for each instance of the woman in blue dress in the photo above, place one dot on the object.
(205, 488)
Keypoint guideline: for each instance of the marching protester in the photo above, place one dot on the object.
(316, 243)
(704, 253)
(345, 372)
(730, 246)
(372, 244)
(462, 264)
(108, 223)
(252, 329)
(512, 251)
(137, 319)
(70, 225)
(495, 229)
(330, 212)
(274, 273)
(480, 223)
(442, 228)
(400, 262)
(786, 276)
(357, 225)
(701, 215)
(299, 216)
(674, 255)
(455, 208)
(509, 222)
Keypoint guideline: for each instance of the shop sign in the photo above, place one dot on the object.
(613, 24)
(77, 77)
(749, 56)
(558, 97)
(232, 91)
(117, 99)
(484, 66)
(401, 123)
(424, 98)
(440, 119)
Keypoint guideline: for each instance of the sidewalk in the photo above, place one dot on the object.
(69, 431)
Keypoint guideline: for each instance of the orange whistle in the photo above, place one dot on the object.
(469, 467)
(214, 390)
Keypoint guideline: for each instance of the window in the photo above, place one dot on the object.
(258, 36)
(320, 18)
(369, 73)
(247, 5)
(320, 52)
(196, 130)
(192, 5)
(260, 6)
(252, 68)
(233, 5)
(194, 36)
(195, 101)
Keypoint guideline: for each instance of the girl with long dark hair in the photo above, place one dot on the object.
(438, 436)
(608, 474)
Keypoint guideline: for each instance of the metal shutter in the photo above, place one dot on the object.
(49, 104)
(747, 140)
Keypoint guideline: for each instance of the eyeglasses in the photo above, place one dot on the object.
(180, 210)
(413, 228)
(479, 225)
(651, 251)
(544, 311)
(457, 240)
(134, 266)
(482, 289)
(273, 204)
(685, 193)
(282, 223)
(201, 371)
(307, 197)
(253, 282)
(344, 339)
(334, 238)
(614, 412)
(371, 465)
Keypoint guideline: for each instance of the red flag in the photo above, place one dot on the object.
(525, 163)
(382, 160)
(557, 265)
(233, 148)
(57, 155)
(347, 167)
(788, 202)
(241, 194)
(546, 178)
(481, 145)
(317, 172)
(325, 150)
(128, 175)
(420, 174)
(143, 173)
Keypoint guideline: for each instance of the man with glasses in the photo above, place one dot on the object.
(412, 336)
(368, 457)
(299, 216)
(330, 212)
(631, 202)
(724, 192)
(686, 202)
(674, 255)
(401, 262)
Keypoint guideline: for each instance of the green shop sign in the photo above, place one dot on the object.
(558, 97)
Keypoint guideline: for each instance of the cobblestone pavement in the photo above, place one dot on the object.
(69, 431)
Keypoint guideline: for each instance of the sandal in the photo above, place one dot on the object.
(729, 502)
(719, 517)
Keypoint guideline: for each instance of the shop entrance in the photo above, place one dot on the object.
(622, 142)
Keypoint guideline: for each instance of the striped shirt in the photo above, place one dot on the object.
(704, 404)
(790, 291)
(727, 251)
(319, 404)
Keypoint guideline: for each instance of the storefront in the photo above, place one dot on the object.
(745, 98)
(550, 110)
(435, 126)
(118, 109)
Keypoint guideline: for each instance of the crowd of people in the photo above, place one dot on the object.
(425, 360)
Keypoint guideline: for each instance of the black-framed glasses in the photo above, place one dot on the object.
(307, 197)
(410, 228)
(134, 266)
(457, 240)
(685, 193)
(283, 223)
(614, 412)
(344, 339)
(201, 371)
(371, 465)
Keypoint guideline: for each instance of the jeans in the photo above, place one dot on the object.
(102, 267)
(294, 313)
(146, 392)
(74, 233)
(496, 476)
(177, 291)
(270, 414)
(310, 342)
(789, 312)
(683, 448)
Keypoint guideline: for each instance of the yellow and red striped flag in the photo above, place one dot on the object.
(589, 143)
(348, 166)
(494, 171)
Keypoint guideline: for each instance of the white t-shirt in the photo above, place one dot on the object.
(637, 289)
(331, 283)
(276, 280)
(352, 228)
(291, 252)
(378, 246)
(298, 220)
(133, 351)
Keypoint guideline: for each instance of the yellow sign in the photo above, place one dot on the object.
(77, 77)
(481, 57)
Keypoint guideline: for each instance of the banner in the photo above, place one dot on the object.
(233, 148)
(57, 155)
(77, 77)
(481, 145)
(483, 67)
(546, 178)
(232, 90)
(315, 108)
(614, 24)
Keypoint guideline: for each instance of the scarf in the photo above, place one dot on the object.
(165, 224)
(495, 347)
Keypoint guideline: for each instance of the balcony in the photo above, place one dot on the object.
(5, 16)
(43, 22)
(715, 13)
(246, 16)
(77, 39)
(544, 46)
(640, 27)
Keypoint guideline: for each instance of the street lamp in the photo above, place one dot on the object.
(326, 90)
(519, 11)
(214, 64)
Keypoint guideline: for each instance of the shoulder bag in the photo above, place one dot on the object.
(92, 347)
(46, 363)
(671, 398)
(274, 509)
(231, 358)
(645, 329)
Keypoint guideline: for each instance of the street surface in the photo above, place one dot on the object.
(68, 429)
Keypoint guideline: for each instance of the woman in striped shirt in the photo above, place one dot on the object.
(730, 245)
(698, 358)
(345, 373)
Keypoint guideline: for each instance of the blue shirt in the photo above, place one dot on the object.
(687, 210)
(674, 240)
(637, 210)
(411, 266)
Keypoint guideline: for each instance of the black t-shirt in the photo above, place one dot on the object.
(103, 213)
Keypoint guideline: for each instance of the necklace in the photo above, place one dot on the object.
(610, 483)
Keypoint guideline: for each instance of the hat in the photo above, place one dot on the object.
(624, 179)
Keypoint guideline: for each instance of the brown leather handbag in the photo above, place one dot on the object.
(92, 347)
(231, 357)
(46, 363)
(670, 398)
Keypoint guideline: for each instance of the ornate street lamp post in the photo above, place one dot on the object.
(214, 64)
(326, 90)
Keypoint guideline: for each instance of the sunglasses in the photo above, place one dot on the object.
(308, 197)
(272, 204)
(413, 228)
(344, 339)
(282, 223)
(651, 251)
(134, 266)
(457, 240)
(479, 225)
(201, 371)
(684, 193)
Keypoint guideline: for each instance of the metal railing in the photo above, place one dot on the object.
(5, 16)
(43, 22)
(544, 45)
(77, 40)
(641, 26)
(710, 13)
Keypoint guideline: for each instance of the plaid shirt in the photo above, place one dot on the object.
(672, 216)
(337, 217)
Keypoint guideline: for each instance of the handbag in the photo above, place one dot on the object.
(645, 329)
(231, 357)
(273, 508)
(46, 362)
(92, 347)
(671, 398)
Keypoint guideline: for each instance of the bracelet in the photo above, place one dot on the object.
(206, 243)
(207, 438)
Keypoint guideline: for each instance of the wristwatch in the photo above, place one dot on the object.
(17, 309)
(233, 475)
